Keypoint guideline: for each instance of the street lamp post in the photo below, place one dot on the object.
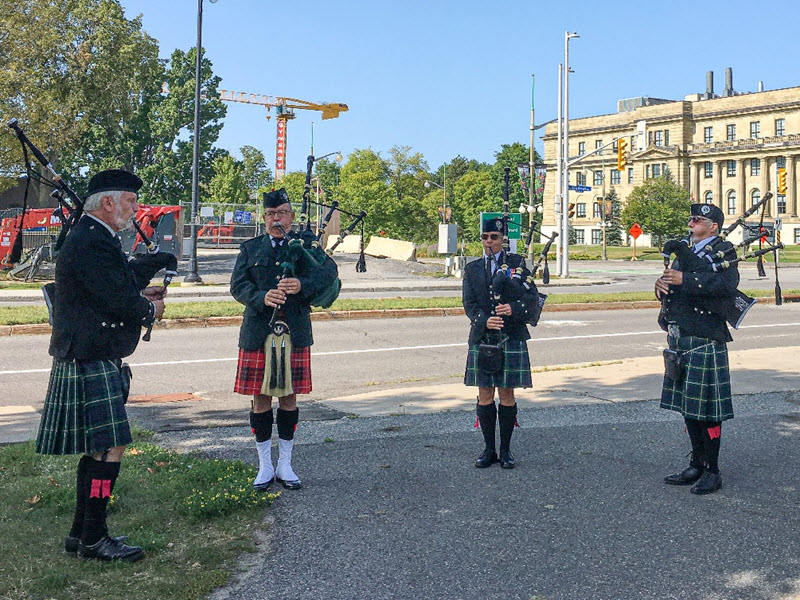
(428, 184)
(193, 276)
(565, 196)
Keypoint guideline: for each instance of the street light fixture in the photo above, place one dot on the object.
(429, 183)
(193, 276)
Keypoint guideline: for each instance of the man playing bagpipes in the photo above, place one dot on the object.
(499, 307)
(697, 379)
(98, 314)
(276, 280)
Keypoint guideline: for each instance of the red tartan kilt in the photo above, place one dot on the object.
(250, 371)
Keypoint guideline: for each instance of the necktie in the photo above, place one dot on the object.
(489, 261)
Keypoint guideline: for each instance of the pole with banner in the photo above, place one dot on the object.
(635, 232)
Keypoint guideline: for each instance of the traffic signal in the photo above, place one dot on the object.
(571, 210)
(622, 154)
(781, 182)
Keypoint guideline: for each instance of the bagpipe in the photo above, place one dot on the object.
(511, 285)
(712, 258)
(70, 209)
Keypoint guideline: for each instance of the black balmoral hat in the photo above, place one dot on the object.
(114, 180)
(708, 211)
(493, 224)
(275, 198)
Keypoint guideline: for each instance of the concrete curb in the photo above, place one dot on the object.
(347, 315)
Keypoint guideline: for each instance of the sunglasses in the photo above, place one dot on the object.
(490, 236)
(694, 219)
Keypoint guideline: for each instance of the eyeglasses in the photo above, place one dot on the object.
(695, 219)
(490, 236)
(276, 213)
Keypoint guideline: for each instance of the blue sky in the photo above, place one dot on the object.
(449, 78)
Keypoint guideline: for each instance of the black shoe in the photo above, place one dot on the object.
(708, 484)
(506, 459)
(71, 543)
(486, 459)
(289, 485)
(686, 477)
(108, 549)
(263, 487)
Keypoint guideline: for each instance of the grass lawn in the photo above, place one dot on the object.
(192, 516)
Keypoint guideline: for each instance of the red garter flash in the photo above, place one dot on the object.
(101, 488)
(714, 432)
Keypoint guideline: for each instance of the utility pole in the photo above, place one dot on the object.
(565, 203)
(532, 176)
(559, 175)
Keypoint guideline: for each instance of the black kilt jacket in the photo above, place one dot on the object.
(98, 310)
(478, 304)
(690, 305)
(257, 270)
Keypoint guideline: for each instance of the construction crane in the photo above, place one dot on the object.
(284, 109)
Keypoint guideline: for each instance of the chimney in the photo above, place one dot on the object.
(709, 85)
(728, 91)
(760, 86)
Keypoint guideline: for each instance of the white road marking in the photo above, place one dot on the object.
(402, 348)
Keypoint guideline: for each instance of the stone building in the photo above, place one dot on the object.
(725, 149)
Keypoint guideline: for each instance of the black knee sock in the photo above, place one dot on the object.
(487, 417)
(507, 417)
(287, 423)
(100, 479)
(81, 491)
(696, 431)
(261, 425)
(712, 435)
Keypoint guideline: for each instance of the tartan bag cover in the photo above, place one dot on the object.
(704, 392)
(250, 371)
(516, 367)
(84, 410)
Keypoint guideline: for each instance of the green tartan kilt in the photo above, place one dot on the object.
(704, 392)
(84, 410)
(516, 371)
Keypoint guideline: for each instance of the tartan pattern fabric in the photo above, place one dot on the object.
(250, 371)
(704, 393)
(516, 367)
(84, 410)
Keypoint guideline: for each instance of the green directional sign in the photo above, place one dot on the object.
(514, 223)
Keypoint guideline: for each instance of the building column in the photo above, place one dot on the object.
(741, 187)
(718, 166)
(765, 179)
(791, 186)
(694, 178)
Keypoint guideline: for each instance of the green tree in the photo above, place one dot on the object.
(614, 229)
(228, 184)
(471, 196)
(365, 186)
(660, 207)
(508, 156)
(256, 173)
(294, 182)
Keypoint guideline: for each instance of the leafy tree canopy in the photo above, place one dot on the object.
(659, 206)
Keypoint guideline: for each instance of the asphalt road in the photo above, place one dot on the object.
(365, 355)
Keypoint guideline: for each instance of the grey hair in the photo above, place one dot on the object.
(92, 203)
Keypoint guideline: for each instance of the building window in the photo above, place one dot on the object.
(780, 126)
(649, 138)
(755, 129)
(664, 169)
(755, 197)
(598, 144)
(666, 137)
(731, 202)
(708, 198)
(581, 148)
(780, 162)
(709, 169)
(616, 177)
(781, 204)
(597, 237)
(580, 210)
(632, 146)
(731, 164)
(656, 170)
(579, 238)
(755, 166)
(580, 179)
(615, 146)
(659, 138)
(597, 209)
(598, 178)
(797, 236)
(630, 175)
(708, 134)
(647, 172)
